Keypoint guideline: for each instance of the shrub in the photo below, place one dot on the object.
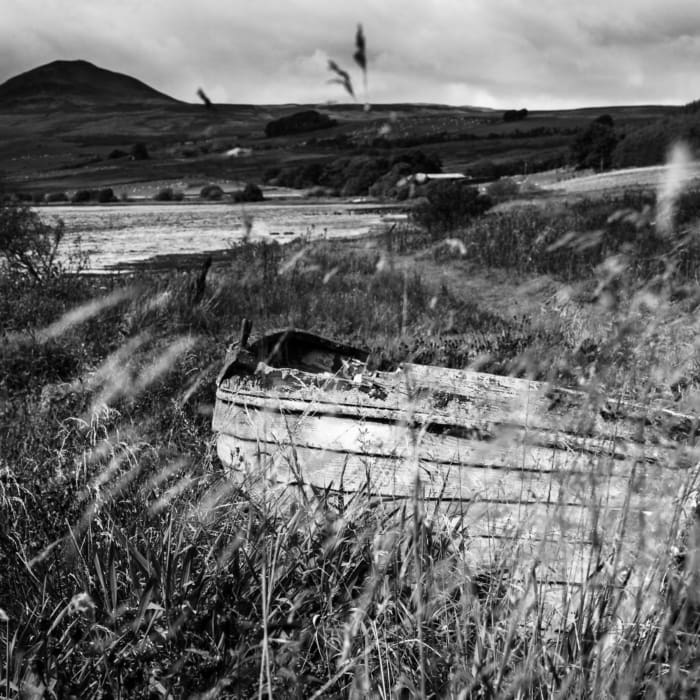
(28, 244)
(649, 144)
(355, 175)
(106, 195)
(250, 193)
(514, 115)
(139, 152)
(297, 123)
(385, 186)
(56, 197)
(593, 148)
(168, 194)
(117, 153)
(81, 196)
(164, 195)
(212, 192)
(503, 188)
(450, 205)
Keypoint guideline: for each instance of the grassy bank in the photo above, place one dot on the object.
(134, 568)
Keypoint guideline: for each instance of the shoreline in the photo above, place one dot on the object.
(300, 201)
(169, 262)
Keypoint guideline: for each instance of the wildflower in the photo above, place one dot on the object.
(82, 604)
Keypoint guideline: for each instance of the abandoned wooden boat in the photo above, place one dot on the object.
(555, 471)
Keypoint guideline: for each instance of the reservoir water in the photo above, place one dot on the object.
(114, 235)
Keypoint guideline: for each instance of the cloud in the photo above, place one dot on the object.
(504, 53)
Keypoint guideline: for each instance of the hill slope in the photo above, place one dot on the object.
(77, 83)
(649, 145)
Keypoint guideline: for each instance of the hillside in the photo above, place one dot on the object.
(61, 123)
(61, 84)
(649, 145)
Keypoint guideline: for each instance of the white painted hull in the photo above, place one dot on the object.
(520, 463)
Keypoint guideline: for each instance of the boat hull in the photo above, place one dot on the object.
(560, 472)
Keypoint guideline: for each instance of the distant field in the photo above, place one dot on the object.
(619, 179)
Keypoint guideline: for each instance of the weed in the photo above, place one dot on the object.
(134, 567)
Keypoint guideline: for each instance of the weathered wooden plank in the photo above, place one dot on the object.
(488, 398)
(479, 401)
(506, 493)
(617, 448)
(395, 476)
(561, 538)
(537, 404)
(510, 451)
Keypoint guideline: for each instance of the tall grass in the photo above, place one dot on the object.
(133, 566)
(571, 239)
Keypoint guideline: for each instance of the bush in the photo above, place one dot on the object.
(503, 188)
(211, 192)
(168, 194)
(450, 205)
(164, 195)
(81, 196)
(649, 144)
(385, 186)
(139, 152)
(514, 115)
(29, 245)
(250, 193)
(106, 195)
(594, 147)
(117, 153)
(355, 175)
(56, 197)
(297, 123)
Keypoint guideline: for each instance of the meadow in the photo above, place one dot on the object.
(134, 567)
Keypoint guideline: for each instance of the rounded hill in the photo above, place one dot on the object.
(78, 83)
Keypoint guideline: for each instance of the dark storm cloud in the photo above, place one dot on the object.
(499, 53)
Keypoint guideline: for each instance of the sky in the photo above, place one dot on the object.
(502, 54)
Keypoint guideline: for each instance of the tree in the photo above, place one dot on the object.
(212, 192)
(515, 115)
(298, 123)
(251, 193)
(593, 147)
(28, 244)
(106, 195)
(450, 205)
(139, 152)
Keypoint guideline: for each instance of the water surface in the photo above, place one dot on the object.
(121, 234)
